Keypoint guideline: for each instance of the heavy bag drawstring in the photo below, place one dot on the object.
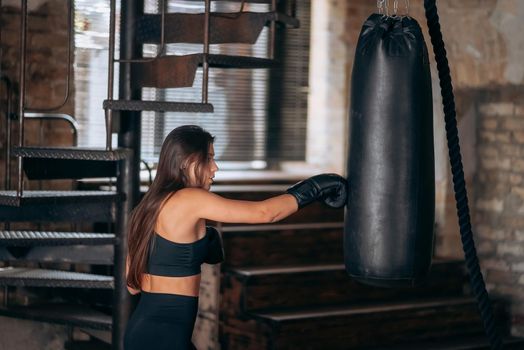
(459, 184)
(383, 7)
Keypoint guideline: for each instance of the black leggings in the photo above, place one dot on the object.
(161, 322)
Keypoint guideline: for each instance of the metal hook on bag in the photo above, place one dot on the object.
(382, 6)
(395, 7)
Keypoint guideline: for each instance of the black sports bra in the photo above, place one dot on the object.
(168, 258)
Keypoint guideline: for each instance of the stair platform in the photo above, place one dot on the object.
(28, 277)
(68, 206)
(157, 106)
(42, 163)
(53, 238)
(224, 28)
(66, 314)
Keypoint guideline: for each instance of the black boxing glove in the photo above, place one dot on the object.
(332, 189)
(215, 252)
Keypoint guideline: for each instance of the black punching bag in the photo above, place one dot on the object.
(388, 234)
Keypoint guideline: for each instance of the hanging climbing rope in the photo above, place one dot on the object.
(461, 197)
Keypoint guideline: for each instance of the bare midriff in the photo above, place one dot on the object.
(188, 285)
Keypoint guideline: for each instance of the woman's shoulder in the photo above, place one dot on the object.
(187, 197)
(189, 192)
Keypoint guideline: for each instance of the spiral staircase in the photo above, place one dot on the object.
(76, 278)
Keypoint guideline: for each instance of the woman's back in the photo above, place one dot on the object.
(179, 234)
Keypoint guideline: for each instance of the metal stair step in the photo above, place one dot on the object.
(69, 163)
(244, 27)
(72, 254)
(66, 314)
(53, 238)
(28, 277)
(179, 71)
(157, 106)
(73, 153)
(226, 61)
(9, 198)
(67, 206)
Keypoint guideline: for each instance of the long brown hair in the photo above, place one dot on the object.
(183, 145)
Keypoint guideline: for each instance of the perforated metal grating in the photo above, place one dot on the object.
(44, 238)
(26, 277)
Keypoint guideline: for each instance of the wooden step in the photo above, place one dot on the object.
(92, 344)
(179, 71)
(352, 327)
(67, 206)
(66, 314)
(471, 342)
(283, 244)
(252, 289)
(69, 162)
(242, 27)
(28, 277)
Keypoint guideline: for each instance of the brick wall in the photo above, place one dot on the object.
(499, 204)
(46, 70)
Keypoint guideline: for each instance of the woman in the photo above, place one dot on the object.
(169, 240)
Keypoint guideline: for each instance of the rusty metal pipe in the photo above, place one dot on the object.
(21, 97)
(110, 73)
(205, 63)
(162, 40)
(272, 32)
(9, 97)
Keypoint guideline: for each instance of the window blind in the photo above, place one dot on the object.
(239, 96)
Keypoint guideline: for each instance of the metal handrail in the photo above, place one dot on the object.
(205, 61)
(57, 116)
(21, 95)
(69, 60)
(110, 72)
(9, 92)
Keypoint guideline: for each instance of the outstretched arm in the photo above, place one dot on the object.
(332, 189)
(203, 204)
